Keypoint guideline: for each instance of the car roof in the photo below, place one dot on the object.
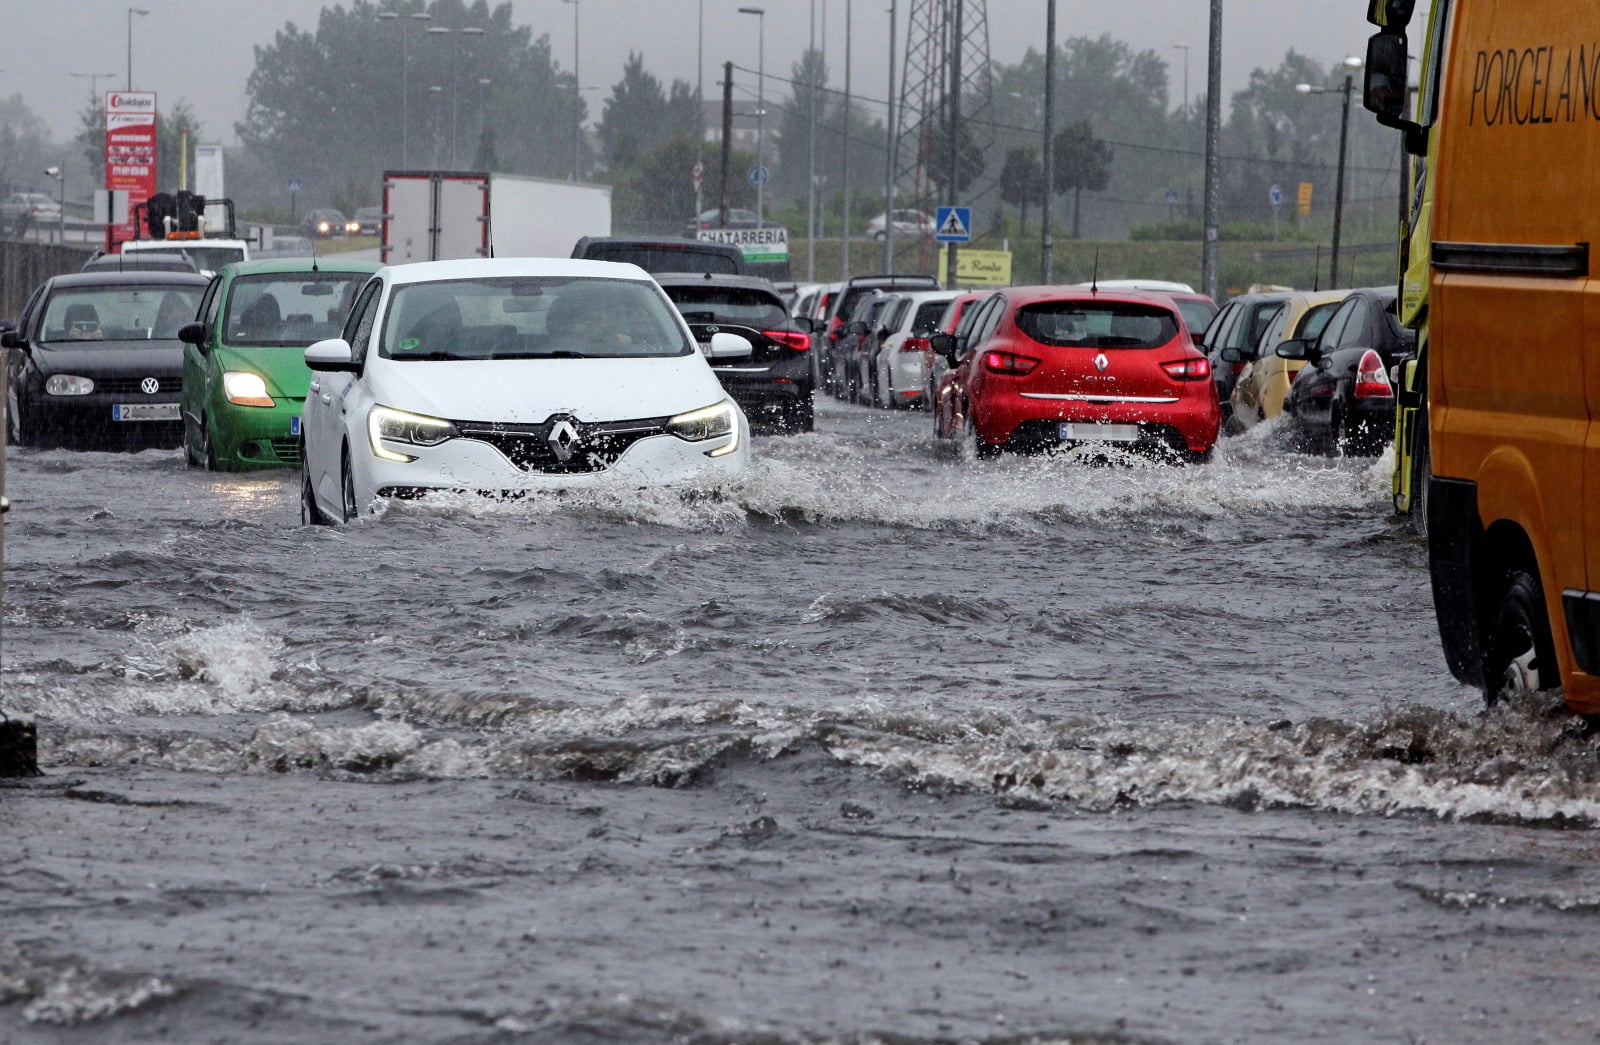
(182, 244)
(714, 279)
(1164, 285)
(892, 282)
(134, 277)
(480, 268)
(303, 263)
(674, 242)
(1038, 294)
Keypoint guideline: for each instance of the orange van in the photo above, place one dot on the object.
(1508, 127)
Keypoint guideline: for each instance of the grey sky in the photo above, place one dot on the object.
(200, 50)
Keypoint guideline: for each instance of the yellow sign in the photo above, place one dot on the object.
(983, 268)
(1304, 202)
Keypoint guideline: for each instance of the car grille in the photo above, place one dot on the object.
(287, 450)
(595, 448)
(130, 385)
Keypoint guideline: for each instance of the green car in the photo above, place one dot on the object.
(244, 370)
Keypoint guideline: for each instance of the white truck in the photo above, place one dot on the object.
(444, 215)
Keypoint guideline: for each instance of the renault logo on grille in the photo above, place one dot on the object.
(149, 386)
(563, 439)
(1101, 362)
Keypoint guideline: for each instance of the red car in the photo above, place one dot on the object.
(1046, 367)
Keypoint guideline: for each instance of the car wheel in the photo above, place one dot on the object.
(310, 514)
(349, 509)
(974, 448)
(190, 460)
(18, 428)
(884, 389)
(1519, 655)
(208, 452)
(880, 235)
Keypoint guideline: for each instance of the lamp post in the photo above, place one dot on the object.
(1351, 64)
(405, 62)
(761, 100)
(455, 85)
(94, 82)
(1047, 243)
(141, 12)
(577, 95)
(1185, 49)
(60, 175)
(889, 158)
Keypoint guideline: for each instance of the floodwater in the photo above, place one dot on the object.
(874, 745)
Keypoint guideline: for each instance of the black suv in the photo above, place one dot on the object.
(831, 369)
(665, 255)
(773, 385)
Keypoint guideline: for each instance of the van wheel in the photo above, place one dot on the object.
(1519, 655)
(1421, 472)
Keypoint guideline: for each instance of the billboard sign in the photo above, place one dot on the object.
(983, 268)
(130, 153)
(768, 243)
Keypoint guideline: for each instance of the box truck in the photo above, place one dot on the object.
(443, 215)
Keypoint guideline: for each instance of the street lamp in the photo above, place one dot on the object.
(455, 86)
(141, 12)
(1185, 49)
(405, 62)
(60, 176)
(761, 99)
(94, 82)
(1352, 64)
(577, 96)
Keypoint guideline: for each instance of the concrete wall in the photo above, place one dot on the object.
(23, 266)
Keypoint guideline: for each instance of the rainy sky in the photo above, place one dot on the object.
(201, 50)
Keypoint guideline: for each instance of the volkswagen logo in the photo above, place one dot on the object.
(1101, 362)
(563, 439)
(149, 386)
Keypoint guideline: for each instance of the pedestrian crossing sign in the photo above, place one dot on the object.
(953, 225)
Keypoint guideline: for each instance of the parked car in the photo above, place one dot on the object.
(773, 384)
(908, 223)
(513, 375)
(1198, 312)
(897, 363)
(96, 358)
(664, 255)
(369, 221)
(1341, 402)
(1262, 386)
(1054, 367)
(840, 307)
(326, 222)
(738, 218)
(957, 320)
(208, 255)
(289, 247)
(1238, 327)
(35, 207)
(244, 371)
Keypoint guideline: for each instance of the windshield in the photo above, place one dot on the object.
(729, 305)
(530, 317)
(666, 257)
(1098, 324)
(289, 308)
(208, 258)
(151, 312)
(1316, 318)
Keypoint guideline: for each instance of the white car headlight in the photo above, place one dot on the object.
(397, 426)
(68, 385)
(244, 388)
(708, 422)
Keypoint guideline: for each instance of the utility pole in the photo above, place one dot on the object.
(1047, 243)
(888, 167)
(1208, 263)
(844, 174)
(727, 140)
(811, 155)
(955, 126)
(1338, 191)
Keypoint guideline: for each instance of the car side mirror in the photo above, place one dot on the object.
(332, 355)
(947, 345)
(1232, 355)
(805, 324)
(193, 334)
(857, 328)
(726, 346)
(1296, 348)
(12, 339)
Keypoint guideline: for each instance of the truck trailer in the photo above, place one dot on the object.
(447, 215)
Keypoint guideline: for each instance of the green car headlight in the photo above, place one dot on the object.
(397, 426)
(708, 422)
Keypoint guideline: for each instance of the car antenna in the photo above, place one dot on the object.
(314, 256)
(1094, 276)
(1316, 271)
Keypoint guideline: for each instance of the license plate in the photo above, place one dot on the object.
(1099, 433)
(294, 425)
(144, 412)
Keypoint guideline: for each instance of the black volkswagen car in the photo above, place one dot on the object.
(96, 359)
(1342, 402)
(773, 386)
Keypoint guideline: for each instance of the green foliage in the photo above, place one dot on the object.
(970, 160)
(640, 116)
(654, 193)
(170, 128)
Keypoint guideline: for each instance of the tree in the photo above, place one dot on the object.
(970, 161)
(656, 192)
(1082, 161)
(170, 129)
(1022, 180)
(639, 115)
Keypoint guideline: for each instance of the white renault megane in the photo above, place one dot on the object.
(511, 375)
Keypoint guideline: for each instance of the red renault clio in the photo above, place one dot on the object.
(1047, 367)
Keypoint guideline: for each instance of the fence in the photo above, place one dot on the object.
(23, 266)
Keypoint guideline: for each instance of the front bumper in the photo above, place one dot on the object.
(89, 418)
(245, 437)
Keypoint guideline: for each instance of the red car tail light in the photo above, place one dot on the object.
(1008, 363)
(789, 339)
(916, 344)
(1194, 369)
(1238, 368)
(1371, 381)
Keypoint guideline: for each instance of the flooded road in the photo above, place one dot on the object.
(876, 745)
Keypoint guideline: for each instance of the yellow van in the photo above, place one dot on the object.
(1508, 125)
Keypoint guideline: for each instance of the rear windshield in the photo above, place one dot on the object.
(738, 306)
(290, 308)
(1316, 318)
(928, 316)
(150, 312)
(1098, 324)
(666, 258)
(1197, 315)
(530, 317)
(208, 258)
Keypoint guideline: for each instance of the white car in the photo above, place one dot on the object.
(908, 224)
(508, 376)
(900, 360)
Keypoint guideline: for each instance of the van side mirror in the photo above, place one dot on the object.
(1383, 88)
